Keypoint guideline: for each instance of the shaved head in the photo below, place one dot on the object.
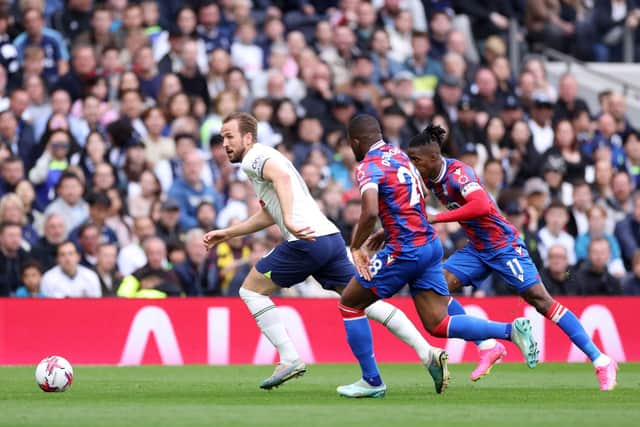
(363, 131)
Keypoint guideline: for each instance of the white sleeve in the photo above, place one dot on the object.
(49, 286)
(253, 162)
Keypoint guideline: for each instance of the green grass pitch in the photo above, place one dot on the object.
(154, 396)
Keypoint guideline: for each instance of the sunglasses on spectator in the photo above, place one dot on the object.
(60, 144)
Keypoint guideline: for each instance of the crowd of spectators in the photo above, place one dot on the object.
(112, 166)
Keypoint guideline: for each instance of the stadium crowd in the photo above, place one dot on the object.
(111, 162)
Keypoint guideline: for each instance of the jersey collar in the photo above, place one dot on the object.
(376, 146)
(443, 169)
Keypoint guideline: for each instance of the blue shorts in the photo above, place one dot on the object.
(421, 274)
(512, 263)
(325, 259)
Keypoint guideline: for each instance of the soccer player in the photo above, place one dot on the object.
(313, 247)
(391, 189)
(494, 245)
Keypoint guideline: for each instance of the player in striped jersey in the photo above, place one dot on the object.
(494, 246)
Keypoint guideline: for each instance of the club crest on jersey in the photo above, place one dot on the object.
(519, 250)
(256, 163)
(360, 173)
(390, 259)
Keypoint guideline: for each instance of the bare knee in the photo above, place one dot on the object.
(258, 283)
(453, 283)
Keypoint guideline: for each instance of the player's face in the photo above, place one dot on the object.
(233, 142)
(426, 160)
(357, 149)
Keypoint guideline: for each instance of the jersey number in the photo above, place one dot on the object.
(516, 269)
(416, 189)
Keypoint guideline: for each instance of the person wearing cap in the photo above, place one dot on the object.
(537, 193)
(99, 205)
(426, 69)
(512, 111)
(466, 128)
(540, 121)
(342, 108)
(167, 226)
(553, 170)
(448, 95)
(469, 154)
(404, 91)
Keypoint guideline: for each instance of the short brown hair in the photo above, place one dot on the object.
(246, 124)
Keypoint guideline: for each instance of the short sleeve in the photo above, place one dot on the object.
(465, 181)
(368, 176)
(253, 162)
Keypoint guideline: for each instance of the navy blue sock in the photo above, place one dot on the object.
(361, 343)
(455, 308)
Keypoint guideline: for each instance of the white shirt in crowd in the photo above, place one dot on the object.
(542, 136)
(305, 209)
(131, 258)
(547, 240)
(85, 284)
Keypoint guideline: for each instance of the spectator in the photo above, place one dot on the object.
(568, 101)
(229, 258)
(57, 55)
(350, 216)
(168, 227)
(50, 166)
(147, 72)
(632, 152)
(88, 237)
(558, 276)
(154, 279)
(627, 232)
(620, 203)
(547, 23)
(69, 202)
(593, 277)
(566, 148)
(189, 191)
(192, 81)
(631, 282)
(582, 202)
(384, 66)
(400, 37)
(610, 19)
(68, 278)
(540, 122)
(196, 274)
(132, 256)
(13, 210)
(209, 29)
(245, 53)
(46, 249)
(597, 217)
(76, 81)
(99, 204)
(556, 219)
(22, 144)
(553, 170)
(426, 69)
(98, 34)
(31, 275)
(12, 257)
(106, 268)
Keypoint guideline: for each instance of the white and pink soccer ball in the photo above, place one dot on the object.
(54, 374)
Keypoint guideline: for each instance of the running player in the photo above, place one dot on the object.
(494, 245)
(313, 247)
(391, 190)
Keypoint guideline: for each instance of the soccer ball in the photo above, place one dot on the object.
(54, 373)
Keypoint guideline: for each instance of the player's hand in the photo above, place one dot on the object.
(214, 237)
(432, 219)
(375, 242)
(302, 232)
(361, 261)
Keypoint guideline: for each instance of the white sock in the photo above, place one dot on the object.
(602, 360)
(266, 314)
(400, 326)
(487, 344)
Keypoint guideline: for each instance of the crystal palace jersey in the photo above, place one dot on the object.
(456, 181)
(389, 171)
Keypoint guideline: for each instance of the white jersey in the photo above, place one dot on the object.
(305, 210)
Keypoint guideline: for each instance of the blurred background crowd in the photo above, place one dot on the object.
(112, 166)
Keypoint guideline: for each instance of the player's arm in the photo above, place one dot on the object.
(258, 221)
(278, 175)
(477, 205)
(364, 228)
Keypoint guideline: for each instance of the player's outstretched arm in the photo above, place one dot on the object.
(364, 228)
(477, 205)
(278, 175)
(258, 221)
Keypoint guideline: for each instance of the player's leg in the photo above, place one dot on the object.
(431, 297)
(465, 267)
(606, 368)
(515, 266)
(336, 274)
(354, 300)
(286, 265)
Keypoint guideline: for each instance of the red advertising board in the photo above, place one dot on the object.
(221, 331)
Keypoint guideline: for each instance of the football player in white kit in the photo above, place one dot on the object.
(313, 247)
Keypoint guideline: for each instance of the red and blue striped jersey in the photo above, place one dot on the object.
(456, 181)
(388, 170)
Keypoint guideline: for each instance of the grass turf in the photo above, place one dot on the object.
(550, 395)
